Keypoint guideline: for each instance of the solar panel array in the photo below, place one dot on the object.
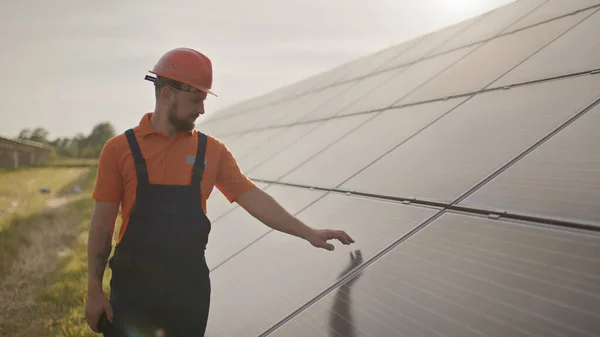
(465, 164)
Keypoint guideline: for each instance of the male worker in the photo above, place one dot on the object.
(161, 173)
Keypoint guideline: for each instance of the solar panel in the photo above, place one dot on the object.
(237, 229)
(253, 120)
(575, 51)
(552, 9)
(560, 179)
(441, 163)
(311, 84)
(491, 60)
(406, 80)
(331, 77)
(491, 24)
(268, 116)
(252, 141)
(307, 104)
(468, 276)
(359, 88)
(217, 205)
(284, 138)
(282, 272)
(467, 172)
(428, 43)
(355, 151)
(367, 65)
(308, 146)
(227, 125)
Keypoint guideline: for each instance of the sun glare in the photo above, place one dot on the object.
(468, 8)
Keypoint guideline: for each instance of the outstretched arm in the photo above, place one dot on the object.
(267, 210)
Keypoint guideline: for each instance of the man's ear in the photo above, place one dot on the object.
(166, 93)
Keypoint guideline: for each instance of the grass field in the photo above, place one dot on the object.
(71, 162)
(43, 273)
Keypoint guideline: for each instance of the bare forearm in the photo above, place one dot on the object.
(100, 243)
(99, 248)
(281, 220)
(264, 208)
(271, 213)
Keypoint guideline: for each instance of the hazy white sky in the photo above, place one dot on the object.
(68, 65)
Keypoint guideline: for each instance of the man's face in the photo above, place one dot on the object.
(184, 109)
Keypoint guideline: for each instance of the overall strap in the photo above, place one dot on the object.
(140, 163)
(198, 168)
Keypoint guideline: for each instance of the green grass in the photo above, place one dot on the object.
(43, 294)
(21, 203)
(71, 162)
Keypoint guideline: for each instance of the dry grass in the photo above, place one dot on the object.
(43, 285)
(72, 162)
(22, 204)
(19, 189)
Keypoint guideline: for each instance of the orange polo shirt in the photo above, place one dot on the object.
(166, 159)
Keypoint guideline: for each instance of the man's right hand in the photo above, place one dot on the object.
(95, 306)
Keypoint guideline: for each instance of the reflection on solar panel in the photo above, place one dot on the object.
(465, 163)
(464, 275)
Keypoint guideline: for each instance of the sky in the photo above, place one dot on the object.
(69, 65)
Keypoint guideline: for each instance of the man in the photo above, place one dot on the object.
(161, 173)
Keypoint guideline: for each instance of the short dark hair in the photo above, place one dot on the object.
(158, 85)
(161, 82)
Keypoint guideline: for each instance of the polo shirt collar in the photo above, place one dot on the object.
(145, 128)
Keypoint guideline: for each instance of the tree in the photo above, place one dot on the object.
(40, 135)
(25, 134)
(80, 145)
(100, 134)
(91, 146)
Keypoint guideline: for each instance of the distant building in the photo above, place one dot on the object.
(18, 153)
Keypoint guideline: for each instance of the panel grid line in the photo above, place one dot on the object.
(445, 209)
(449, 206)
(322, 149)
(511, 159)
(264, 234)
(355, 272)
(575, 12)
(527, 151)
(352, 273)
(592, 72)
(489, 85)
(502, 34)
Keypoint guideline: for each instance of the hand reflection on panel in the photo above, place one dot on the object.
(340, 315)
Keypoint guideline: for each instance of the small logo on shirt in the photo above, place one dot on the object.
(191, 159)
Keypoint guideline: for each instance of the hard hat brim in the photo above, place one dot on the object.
(152, 79)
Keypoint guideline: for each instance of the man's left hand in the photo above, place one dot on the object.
(319, 238)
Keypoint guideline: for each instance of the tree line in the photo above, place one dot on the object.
(79, 146)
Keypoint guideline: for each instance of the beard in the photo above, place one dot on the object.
(181, 125)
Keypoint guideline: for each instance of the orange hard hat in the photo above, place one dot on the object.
(190, 68)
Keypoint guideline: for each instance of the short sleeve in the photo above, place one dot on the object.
(109, 187)
(231, 181)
